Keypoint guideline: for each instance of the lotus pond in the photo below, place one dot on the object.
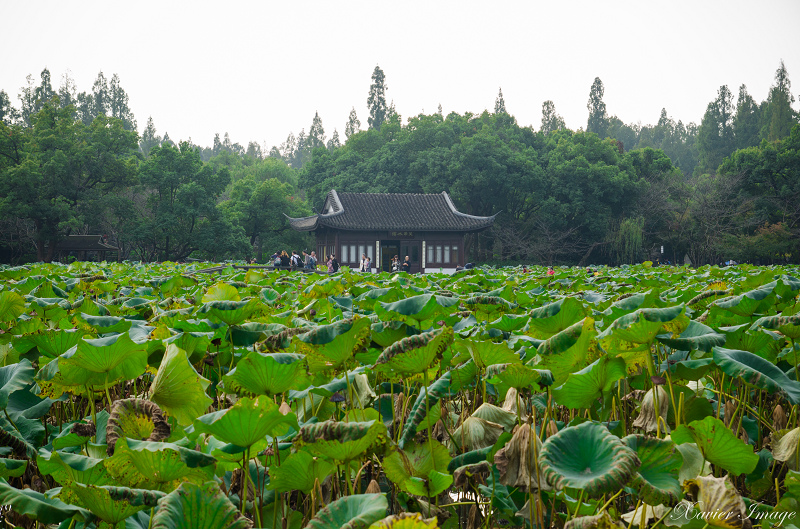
(153, 396)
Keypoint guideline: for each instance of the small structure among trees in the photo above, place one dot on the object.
(425, 227)
(85, 248)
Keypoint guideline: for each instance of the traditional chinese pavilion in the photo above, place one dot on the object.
(426, 227)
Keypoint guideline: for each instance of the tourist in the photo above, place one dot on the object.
(406, 265)
(285, 261)
(395, 264)
(550, 271)
(312, 261)
(330, 264)
(306, 257)
(368, 266)
(334, 264)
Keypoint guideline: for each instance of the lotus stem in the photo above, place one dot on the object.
(663, 517)
(638, 503)
(606, 504)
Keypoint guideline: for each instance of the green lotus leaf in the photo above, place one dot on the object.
(418, 412)
(719, 502)
(696, 337)
(718, 445)
(486, 353)
(11, 305)
(583, 387)
(414, 354)
(509, 322)
(299, 472)
(518, 375)
(431, 485)
(51, 342)
(656, 479)
(221, 292)
(463, 376)
(385, 333)
(267, 374)
(421, 311)
(342, 441)
(415, 461)
(763, 342)
(487, 306)
(99, 500)
(351, 512)
(642, 325)
(405, 520)
(690, 369)
(157, 465)
(788, 325)
(65, 467)
(37, 506)
(475, 433)
(551, 319)
(756, 371)
(325, 288)
(693, 461)
(247, 423)
(332, 346)
(22, 437)
(14, 378)
(107, 324)
(194, 343)
(748, 303)
(135, 419)
(230, 312)
(630, 304)
(178, 389)
(568, 351)
(96, 362)
(587, 457)
(77, 434)
(198, 506)
(12, 468)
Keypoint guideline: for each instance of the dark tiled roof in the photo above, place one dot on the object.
(391, 211)
(84, 243)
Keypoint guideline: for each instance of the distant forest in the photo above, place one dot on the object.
(729, 188)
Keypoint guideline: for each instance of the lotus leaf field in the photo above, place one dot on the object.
(156, 396)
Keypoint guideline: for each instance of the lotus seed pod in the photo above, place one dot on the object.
(778, 418)
(648, 419)
(373, 488)
(285, 408)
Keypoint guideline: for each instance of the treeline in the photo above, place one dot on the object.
(72, 163)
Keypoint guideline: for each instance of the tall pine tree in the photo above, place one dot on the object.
(598, 119)
(551, 121)
(353, 124)
(500, 103)
(779, 116)
(376, 101)
(316, 134)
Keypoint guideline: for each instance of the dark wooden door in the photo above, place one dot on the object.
(412, 249)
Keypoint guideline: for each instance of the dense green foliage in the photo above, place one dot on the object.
(166, 396)
(615, 193)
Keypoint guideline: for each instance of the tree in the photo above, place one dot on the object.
(316, 134)
(62, 173)
(746, 122)
(101, 96)
(67, 92)
(34, 97)
(7, 112)
(500, 103)
(353, 124)
(779, 117)
(149, 138)
(334, 142)
(118, 104)
(598, 119)
(715, 137)
(376, 101)
(551, 121)
(254, 150)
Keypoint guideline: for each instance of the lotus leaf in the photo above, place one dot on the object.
(11, 305)
(486, 306)
(135, 419)
(247, 423)
(583, 387)
(157, 465)
(719, 502)
(475, 433)
(230, 312)
(342, 441)
(594, 521)
(110, 508)
(756, 371)
(411, 467)
(649, 419)
(696, 337)
(178, 389)
(37, 506)
(198, 506)
(353, 512)
(549, 320)
(221, 292)
(96, 362)
(509, 322)
(485, 353)
(414, 354)
(518, 376)
(785, 447)
(587, 457)
(65, 467)
(517, 462)
(422, 311)
(51, 342)
(568, 351)
(718, 445)
(332, 346)
(434, 392)
(405, 520)
(299, 472)
(13, 378)
(495, 414)
(268, 374)
(12, 468)
(656, 479)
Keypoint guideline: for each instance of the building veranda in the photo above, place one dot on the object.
(425, 227)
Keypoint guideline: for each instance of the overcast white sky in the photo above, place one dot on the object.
(260, 69)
